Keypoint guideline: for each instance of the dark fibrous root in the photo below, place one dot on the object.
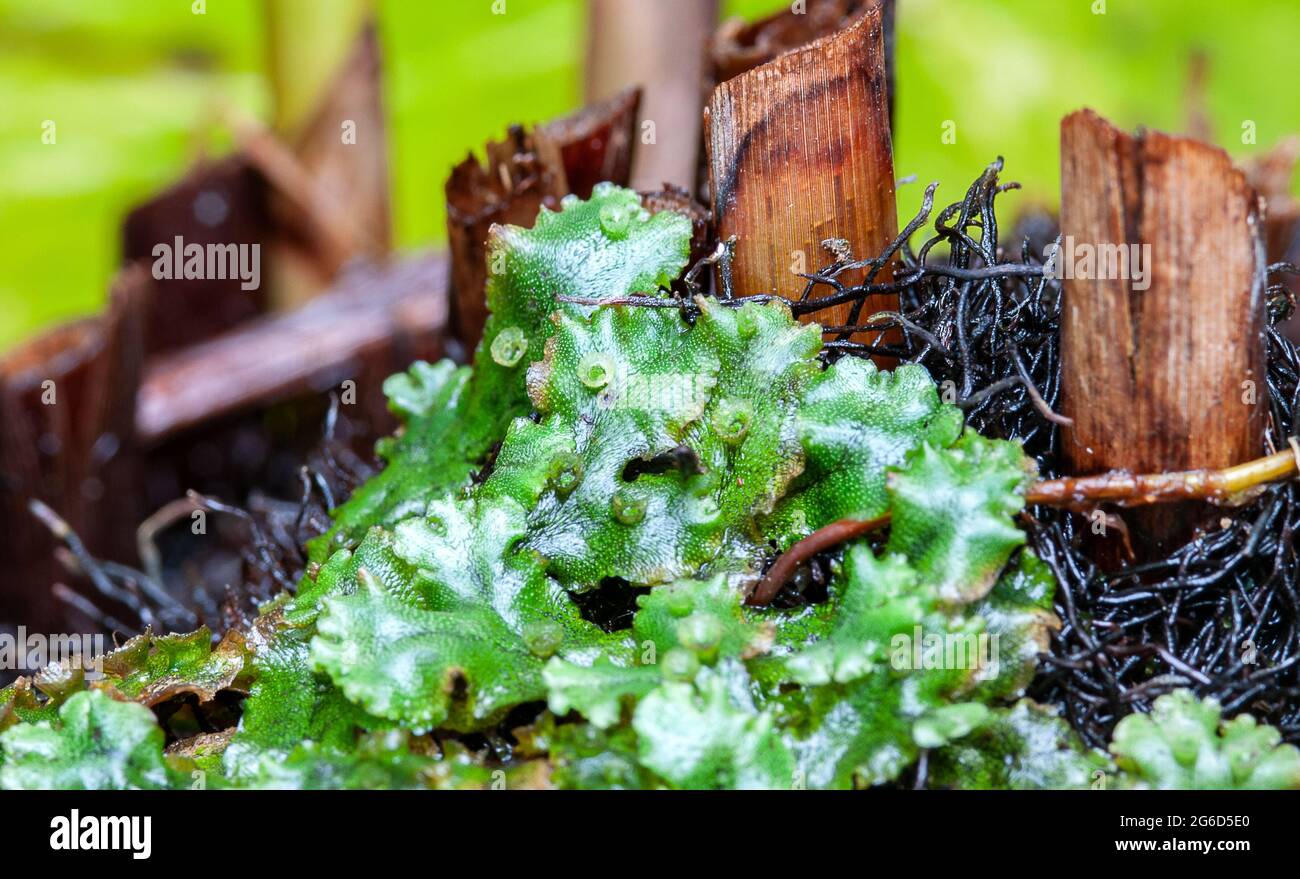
(127, 601)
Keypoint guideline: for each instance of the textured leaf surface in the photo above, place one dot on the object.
(599, 691)
(586, 757)
(681, 437)
(665, 447)
(311, 767)
(411, 665)
(456, 627)
(389, 760)
(99, 744)
(1183, 744)
(677, 628)
(443, 439)
(151, 669)
(290, 704)
(855, 423)
(918, 645)
(952, 512)
(704, 735)
(872, 696)
(1027, 747)
(19, 703)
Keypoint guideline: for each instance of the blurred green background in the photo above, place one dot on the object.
(131, 86)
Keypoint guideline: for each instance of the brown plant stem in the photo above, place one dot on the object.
(660, 47)
(820, 540)
(1116, 486)
(1131, 490)
(800, 156)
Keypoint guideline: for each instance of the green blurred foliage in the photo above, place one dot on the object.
(132, 86)
(457, 76)
(128, 85)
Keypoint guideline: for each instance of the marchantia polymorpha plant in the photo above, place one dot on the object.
(637, 451)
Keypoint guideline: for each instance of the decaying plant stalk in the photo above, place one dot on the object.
(800, 154)
(1180, 382)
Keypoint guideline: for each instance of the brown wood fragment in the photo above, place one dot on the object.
(515, 183)
(372, 324)
(222, 202)
(673, 198)
(327, 158)
(310, 202)
(738, 45)
(352, 165)
(66, 405)
(597, 143)
(1168, 376)
(800, 152)
(1272, 175)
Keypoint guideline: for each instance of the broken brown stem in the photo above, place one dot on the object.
(660, 47)
(799, 154)
(1173, 386)
(1116, 486)
(1130, 490)
(334, 232)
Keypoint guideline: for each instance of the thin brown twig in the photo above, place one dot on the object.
(87, 563)
(1130, 490)
(820, 540)
(1116, 486)
(337, 233)
(147, 533)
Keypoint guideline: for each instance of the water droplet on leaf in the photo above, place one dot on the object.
(700, 633)
(679, 599)
(543, 637)
(509, 346)
(565, 473)
(732, 419)
(746, 323)
(627, 508)
(595, 369)
(680, 665)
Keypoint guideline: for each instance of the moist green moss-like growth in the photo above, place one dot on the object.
(1026, 747)
(605, 247)
(446, 620)
(890, 666)
(702, 442)
(151, 669)
(1185, 743)
(97, 743)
